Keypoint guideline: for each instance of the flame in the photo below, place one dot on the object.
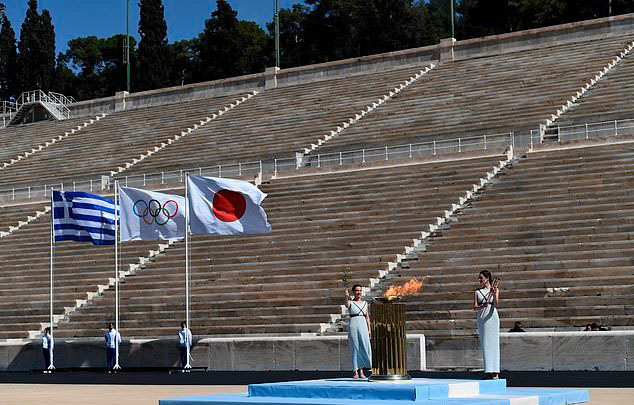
(411, 287)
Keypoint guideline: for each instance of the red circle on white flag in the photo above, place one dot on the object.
(229, 206)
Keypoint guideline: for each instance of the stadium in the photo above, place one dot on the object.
(510, 153)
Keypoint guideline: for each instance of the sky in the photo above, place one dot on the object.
(104, 18)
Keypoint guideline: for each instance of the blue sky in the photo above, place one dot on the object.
(104, 18)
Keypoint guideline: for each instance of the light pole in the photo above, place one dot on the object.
(126, 45)
(453, 35)
(277, 34)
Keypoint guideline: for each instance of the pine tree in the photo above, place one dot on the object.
(47, 52)
(8, 59)
(220, 44)
(153, 50)
(36, 58)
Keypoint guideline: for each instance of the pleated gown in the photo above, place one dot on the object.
(358, 336)
(488, 323)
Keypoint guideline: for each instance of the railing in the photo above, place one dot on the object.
(55, 101)
(603, 129)
(9, 109)
(405, 151)
(495, 142)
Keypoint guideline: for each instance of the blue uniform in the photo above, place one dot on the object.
(184, 342)
(47, 347)
(113, 338)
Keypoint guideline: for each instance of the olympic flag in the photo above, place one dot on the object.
(149, 215)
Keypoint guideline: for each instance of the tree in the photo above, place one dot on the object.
(184, 57)
(99, 63)
(219, 44)
(36, 58)
(252, 55)
(294, 49)
(8, 59)
(153, 51)
(47, 61)
(325, 30)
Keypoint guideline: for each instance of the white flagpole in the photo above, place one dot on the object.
(116, 274)
(187, 365)
(50, 346)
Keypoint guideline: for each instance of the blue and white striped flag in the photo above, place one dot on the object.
(83, 217)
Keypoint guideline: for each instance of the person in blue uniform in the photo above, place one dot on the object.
(184, 343)
(47, 347)
(485, 301)
(359, 332)
(113, 339)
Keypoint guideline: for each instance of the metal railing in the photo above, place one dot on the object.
(602, 129)
(9, 109)
(495, 142)
(56, 102)
(405, 151)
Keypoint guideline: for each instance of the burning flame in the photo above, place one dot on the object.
(411, 287)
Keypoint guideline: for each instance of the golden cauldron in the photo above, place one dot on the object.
(389, 343)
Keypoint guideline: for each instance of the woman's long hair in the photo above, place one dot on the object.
(488, 275)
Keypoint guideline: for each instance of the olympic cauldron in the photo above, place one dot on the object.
(389, 340)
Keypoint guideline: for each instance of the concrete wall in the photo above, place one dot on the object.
(444, 52)
(540, 351)
(531, 351)
(304, 353)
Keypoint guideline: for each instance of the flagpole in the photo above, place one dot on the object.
(116, 274)
(187, 365)
(50, 346)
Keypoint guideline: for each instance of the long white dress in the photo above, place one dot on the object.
(488, 323)
(358, 336)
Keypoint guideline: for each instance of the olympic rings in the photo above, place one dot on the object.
(153, 212)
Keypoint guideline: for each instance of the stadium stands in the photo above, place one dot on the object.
(290, 281)
(556, 228)
(507, 92)
(19, 139)
(608, 100)
(556, 225)
(278, 122)
(107, 144)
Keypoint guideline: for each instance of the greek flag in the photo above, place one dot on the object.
(83, 217)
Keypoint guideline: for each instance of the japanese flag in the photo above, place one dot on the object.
(225, 206)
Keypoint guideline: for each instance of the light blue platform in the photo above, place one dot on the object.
(419, 390)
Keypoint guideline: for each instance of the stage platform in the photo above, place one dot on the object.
(420, 390)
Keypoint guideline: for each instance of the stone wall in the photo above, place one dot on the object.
(530, 351)
(446, 51)
(540, 351)
(304, 353)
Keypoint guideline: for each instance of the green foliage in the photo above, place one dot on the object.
(99, 63)
(313, 32)
(8, 59)
(152, 53)
(36, 58)
(184, 61)
(228, 47)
